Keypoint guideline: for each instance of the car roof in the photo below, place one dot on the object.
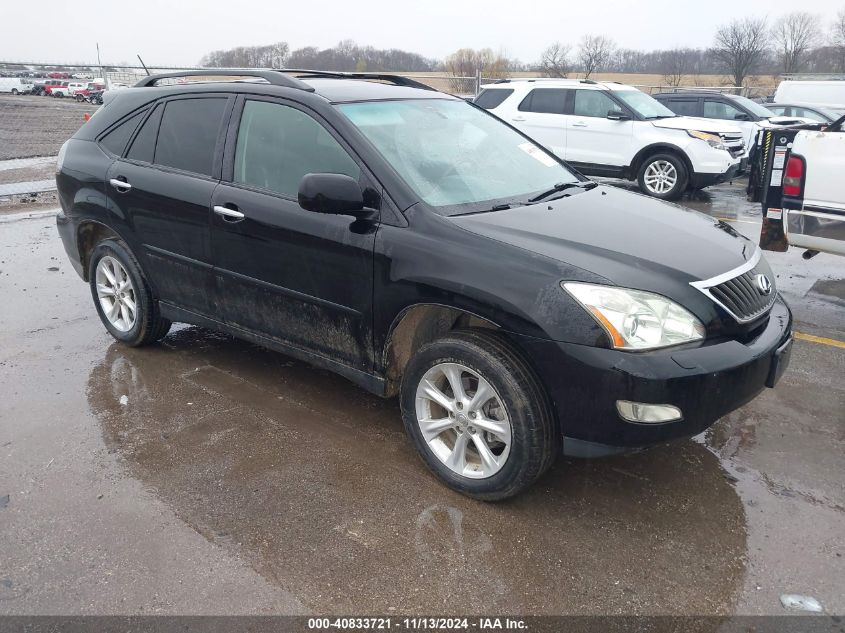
(555, 83)
(696, 93)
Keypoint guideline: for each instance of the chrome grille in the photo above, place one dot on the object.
(734, 143)
(740, 292)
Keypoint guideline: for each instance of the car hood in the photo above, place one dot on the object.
(714, 126)
(780, 121)
(627, 238)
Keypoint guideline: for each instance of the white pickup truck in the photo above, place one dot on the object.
(806, 173)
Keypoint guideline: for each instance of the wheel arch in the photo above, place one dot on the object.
(417, 325)
(89, 233)
(659, 148)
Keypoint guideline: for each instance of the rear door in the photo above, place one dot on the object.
(302, 278)
(541, 116)
(162, 187)
(591, 138)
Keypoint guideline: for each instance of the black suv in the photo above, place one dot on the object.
(710, 104)
(420, 247)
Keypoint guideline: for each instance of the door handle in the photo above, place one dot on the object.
(518, 119)
(579, 124)
(232, 215)
(121, 185)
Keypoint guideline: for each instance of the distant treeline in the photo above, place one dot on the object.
(346, 56)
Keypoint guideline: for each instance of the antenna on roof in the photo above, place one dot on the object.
(144, 65)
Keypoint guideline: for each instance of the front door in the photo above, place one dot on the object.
(299, 277)
(592, 138)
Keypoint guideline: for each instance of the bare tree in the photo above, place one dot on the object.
(675, 64)
(465, 62)
(794, 35)
(554, 61)
(740, 47)
(837, 38)
(594, 53)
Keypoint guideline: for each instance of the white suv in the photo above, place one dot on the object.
(608, 129)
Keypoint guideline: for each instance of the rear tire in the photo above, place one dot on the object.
(504, 441)
(15, 91)
(663, 176)
(122, 296)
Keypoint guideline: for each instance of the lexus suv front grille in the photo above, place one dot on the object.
(745, 293)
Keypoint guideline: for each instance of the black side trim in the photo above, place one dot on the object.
(373, 383)
(594, 169)
(258, 282)
(181, 258)
(290, 293)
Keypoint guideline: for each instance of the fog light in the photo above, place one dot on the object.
(648, 413)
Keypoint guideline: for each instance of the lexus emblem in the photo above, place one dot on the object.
(763, 284)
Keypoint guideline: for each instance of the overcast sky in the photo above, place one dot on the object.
(174, 32)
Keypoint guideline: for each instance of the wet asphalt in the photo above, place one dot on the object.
(206, 475)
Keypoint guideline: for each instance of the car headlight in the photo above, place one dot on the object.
(635, 319)
(714, 140)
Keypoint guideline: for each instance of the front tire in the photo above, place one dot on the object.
(122, 296)
(478, 415)
(663, 176)
(15, 91)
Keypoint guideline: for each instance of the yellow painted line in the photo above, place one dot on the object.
(820, 339)
(715, 217)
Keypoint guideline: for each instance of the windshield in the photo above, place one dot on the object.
(452, 153)
(645, 105)
(754, 107)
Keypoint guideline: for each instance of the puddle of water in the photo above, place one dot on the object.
(314, 482)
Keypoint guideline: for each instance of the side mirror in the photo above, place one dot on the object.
(618, 115)
(331, 193)
(741, 117)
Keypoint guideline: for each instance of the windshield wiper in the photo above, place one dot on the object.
(561, 186)
(495, 207)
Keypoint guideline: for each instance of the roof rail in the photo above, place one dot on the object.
(281, 76)
(588, 81)
(398, 80)
(274, 77)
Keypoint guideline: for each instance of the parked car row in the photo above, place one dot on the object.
(59, 88)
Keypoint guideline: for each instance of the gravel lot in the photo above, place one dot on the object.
(37, 126)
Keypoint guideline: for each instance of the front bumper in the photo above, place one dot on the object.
(705, 383)
(698, 180)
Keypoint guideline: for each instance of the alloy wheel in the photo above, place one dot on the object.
(463, 420)
(660, 177)
(116, 294)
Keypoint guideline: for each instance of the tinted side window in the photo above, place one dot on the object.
(545, 100)
(489, 99)
(808, 114)
(684, 107)
(144, 145)
(116, 140)
(720, 110)
(277, 145)
(593, 103)
(188, 134)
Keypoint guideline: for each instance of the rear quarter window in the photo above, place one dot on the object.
(115, 140)
(492, 98)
